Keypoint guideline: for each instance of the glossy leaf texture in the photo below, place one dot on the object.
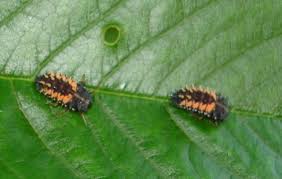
(132, 131)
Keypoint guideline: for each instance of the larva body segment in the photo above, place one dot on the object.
(205, 102)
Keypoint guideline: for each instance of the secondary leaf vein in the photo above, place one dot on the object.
(13, 14)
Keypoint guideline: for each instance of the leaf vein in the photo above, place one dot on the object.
(74, 37)
(162, 171)
(61, 159)
(160, 99)
(13, 14)
(178, 64)
(100, 145)
(264, 141)
(213, 150)
(236, 57)
(126, 58)
(12, 170)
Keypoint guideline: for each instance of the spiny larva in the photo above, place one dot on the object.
(203, 101)
(64, 91)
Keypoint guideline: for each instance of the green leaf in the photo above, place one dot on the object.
(154, 48)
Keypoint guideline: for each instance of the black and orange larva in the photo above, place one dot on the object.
(64, 91)
(202, 101)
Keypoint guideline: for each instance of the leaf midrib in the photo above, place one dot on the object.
(89, 26)
(158, 99)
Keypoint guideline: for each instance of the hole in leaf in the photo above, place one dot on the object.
(112, 34)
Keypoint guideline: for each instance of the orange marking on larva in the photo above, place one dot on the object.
(210, 107)
(45, 90)
(49, 92)
(202, 106)
(72, 83)
(42, 82)
(181, 96)
(45, 84)
(190, 91)
(183, 103)
(54, 95)
(74, 86)
(66, 99)
(196, 105)
(189, 103)
(58, 76)
(41, 91)
(212, 93)
(64, 78)
(60, 97)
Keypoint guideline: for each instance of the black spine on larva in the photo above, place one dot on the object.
(202, 97)
(196, 96)
(37, 84)
(58, 85)
(221, 109)
(174, 98)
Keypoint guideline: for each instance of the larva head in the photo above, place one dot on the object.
(82, 100)
(221, 109)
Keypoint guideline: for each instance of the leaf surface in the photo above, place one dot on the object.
(234, 47)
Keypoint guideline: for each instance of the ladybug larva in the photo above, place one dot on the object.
(64, 91)
(202, 101)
